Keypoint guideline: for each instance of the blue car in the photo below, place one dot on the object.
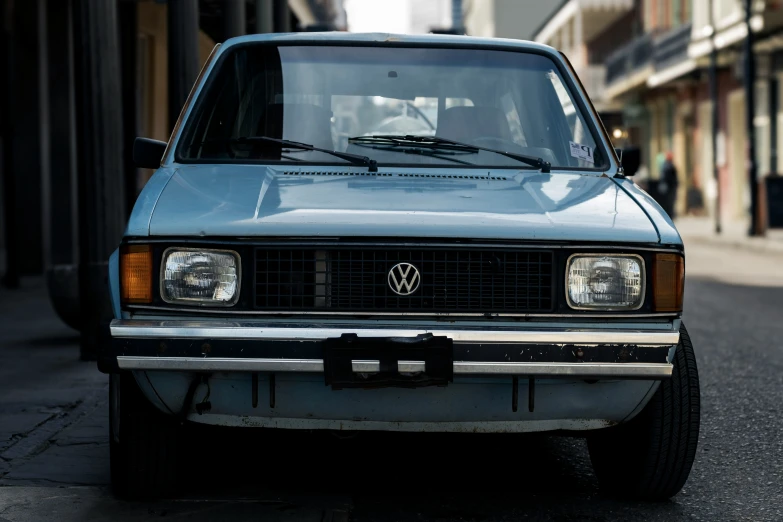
(489, 266)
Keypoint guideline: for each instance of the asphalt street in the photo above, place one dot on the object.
(54, 452)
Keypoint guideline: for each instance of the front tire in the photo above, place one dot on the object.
(650, 457)
(143, 443)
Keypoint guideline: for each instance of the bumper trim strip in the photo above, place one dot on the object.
(538, 369)
(239, 330)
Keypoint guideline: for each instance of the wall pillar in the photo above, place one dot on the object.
(772, 88)
(62, 275)
(101, 198)
(10, 278)
(265, 16)
(28, 111)
(578, 39)
(282, 16)
(183, 53)
(234, 20)
(128, 40)
(62, 136)
(567, 43)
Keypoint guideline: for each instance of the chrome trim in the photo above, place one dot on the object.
(216, 364)
(411, 366)
(239, 330)
(596, 315)
(369, 366)
(585, 370)
(539, 369)
(319, 242)
(402, 366)
(526, 368)
(600, 254)
(192, 302)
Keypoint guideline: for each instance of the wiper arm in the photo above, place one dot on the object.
(371, 164)
(432, 154)
(440, 152)
(424, 142)
(435, 142)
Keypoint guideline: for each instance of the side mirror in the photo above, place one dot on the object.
(148, 153)
(631, 158)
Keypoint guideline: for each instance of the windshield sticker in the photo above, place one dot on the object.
(582, 152)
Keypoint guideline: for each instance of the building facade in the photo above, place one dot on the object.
(586, 31)
(516, 19)
(659, 76)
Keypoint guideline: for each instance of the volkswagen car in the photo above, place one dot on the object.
(491, 269)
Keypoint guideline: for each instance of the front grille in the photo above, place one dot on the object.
(357, 279)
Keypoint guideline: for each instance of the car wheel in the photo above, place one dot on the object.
(143, 443)
(650, 457)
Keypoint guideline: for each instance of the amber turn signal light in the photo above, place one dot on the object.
(668, 282)
(136, 274)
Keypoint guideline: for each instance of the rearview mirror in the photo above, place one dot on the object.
(148, 153)
(630, 159)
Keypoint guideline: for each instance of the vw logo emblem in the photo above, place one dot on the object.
(404, 279)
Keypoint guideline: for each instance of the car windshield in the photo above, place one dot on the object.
(323, 96)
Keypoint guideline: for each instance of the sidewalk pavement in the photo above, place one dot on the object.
(734, 234)
(52, 405)
(54, 451)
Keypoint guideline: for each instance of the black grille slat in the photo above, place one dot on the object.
(356, 280)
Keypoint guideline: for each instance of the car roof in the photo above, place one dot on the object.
(391, 39)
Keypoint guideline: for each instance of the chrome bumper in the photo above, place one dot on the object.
(581, 370)
(251, 331)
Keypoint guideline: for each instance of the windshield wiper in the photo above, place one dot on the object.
(434, 142)
(440, 152)
(371, 164)
(431, 154)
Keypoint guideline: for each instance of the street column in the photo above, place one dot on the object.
(183, 53)
(265, 15)
(101, 195)
(234, 19)
(282, 16)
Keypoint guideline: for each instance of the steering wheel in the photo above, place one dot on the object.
(421, 114)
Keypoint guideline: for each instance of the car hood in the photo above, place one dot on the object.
(246, 201)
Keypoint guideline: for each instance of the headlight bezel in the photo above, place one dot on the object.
(592, 308)
(196, 303)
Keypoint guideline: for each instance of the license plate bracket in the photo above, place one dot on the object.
(340, 353)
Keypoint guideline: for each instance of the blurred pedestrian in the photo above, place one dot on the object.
(667, 186)
(642, 178)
